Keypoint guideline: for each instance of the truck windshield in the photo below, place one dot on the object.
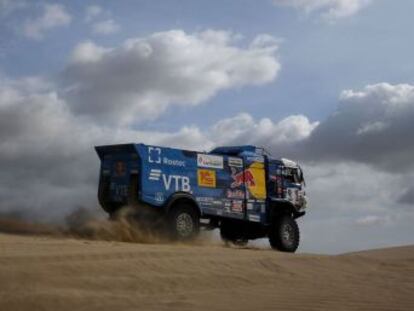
(293, 175)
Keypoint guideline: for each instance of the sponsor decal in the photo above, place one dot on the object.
(178, 183)
(119, 191)
(120, 168)
(255, 218)
(255, 159)
(217, 203)
(209, 161)
(206, 178)
(227, 206)
(236, 162)
(154, 156)
(235, 194)
(237, 206)
(253, 177)
(155, 174)
(205, 201)
(175, 182)
(159, 197)
(241, 177)
(167, 161)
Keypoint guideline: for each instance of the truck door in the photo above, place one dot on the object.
(235, 188)
(275, 180)
(255, 183)
(118, 184)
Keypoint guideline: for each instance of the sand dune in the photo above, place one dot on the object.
(52, 273)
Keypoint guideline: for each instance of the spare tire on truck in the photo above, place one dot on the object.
(183, 221)
(284, 234)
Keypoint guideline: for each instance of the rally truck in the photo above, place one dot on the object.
(241, 190)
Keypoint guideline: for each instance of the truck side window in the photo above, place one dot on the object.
(272, 185)
(274, 171)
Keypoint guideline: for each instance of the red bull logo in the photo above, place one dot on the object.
(254, 179)
(242, 177)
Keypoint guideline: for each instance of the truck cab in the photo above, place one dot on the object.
(286, 183)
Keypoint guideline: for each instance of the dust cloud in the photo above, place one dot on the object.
(82, 223)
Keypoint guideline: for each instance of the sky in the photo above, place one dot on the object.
(329, 83)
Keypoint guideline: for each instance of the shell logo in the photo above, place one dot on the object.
(206, 178)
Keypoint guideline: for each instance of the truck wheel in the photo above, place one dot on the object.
(184, 222)
(284, 234)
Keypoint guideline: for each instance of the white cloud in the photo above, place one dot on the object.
(372, 126)
(48, 151)
(329, 9)
(101, 21)
(374, 220)
(54, 15)
(92, 12)
(106, 27)
(354, 206)
(144, 76)
(243, 129)
(88, 52)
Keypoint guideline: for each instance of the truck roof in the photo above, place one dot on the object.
(223, 150)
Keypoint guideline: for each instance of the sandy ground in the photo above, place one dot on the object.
(51, 273)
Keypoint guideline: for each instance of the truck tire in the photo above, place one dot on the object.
(184, 222)
(284, 234)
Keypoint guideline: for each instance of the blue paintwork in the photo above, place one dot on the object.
(165, 171)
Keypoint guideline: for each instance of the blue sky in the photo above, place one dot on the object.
(327, 82)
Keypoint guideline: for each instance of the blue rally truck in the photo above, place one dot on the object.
(240, 190)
